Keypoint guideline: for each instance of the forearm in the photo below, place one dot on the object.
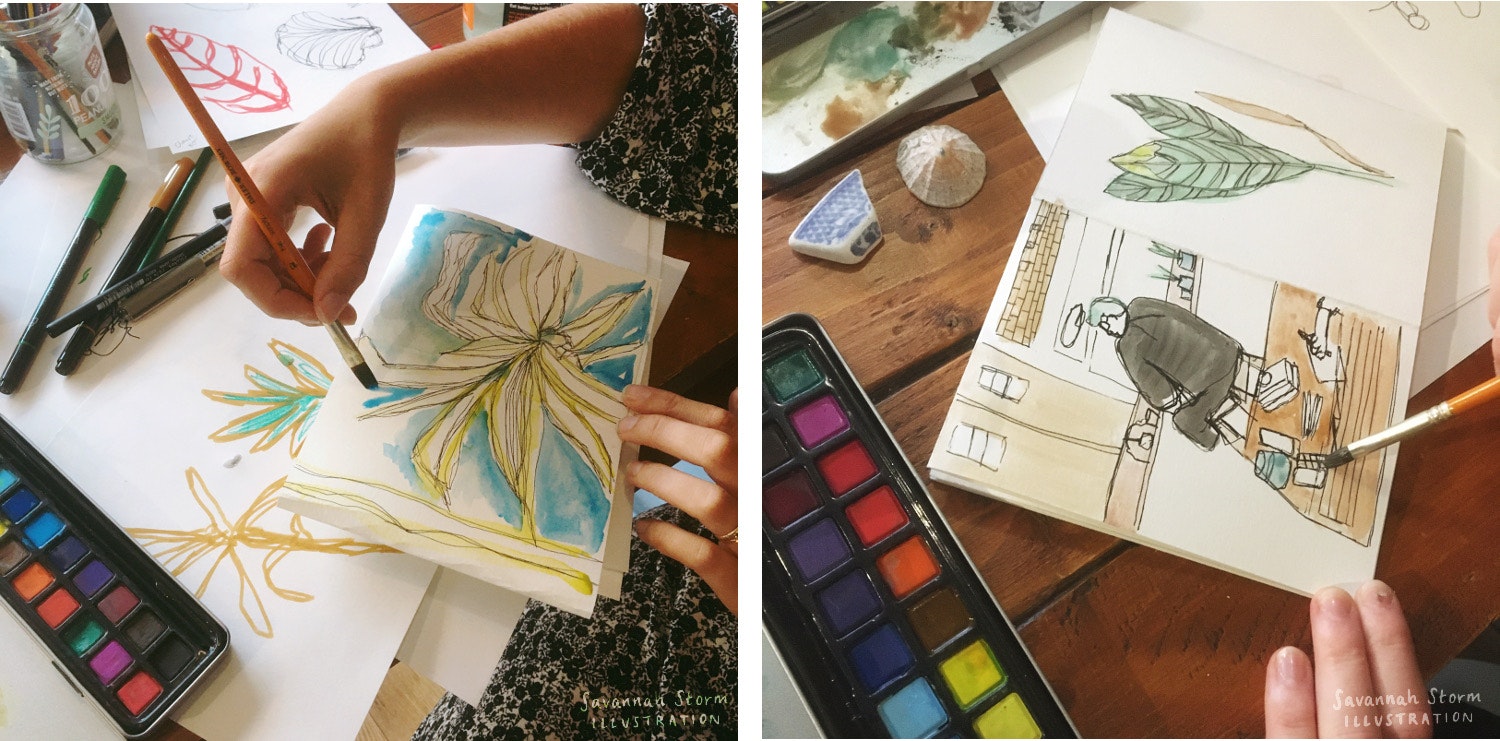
(556, 78)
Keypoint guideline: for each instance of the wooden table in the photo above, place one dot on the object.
(1136, 642)
(693, 350)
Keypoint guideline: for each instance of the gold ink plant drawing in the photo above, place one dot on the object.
(225, 540)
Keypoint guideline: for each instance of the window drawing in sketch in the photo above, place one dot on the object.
(322, 41)
(225, 74)
(502, 358)
(279, 409)
(223, 540)
(1151, 343)
(1205, 157)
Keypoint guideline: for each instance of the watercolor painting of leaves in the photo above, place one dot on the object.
(524, 368)
(179, 550)
(1205, 157)
(279, 409)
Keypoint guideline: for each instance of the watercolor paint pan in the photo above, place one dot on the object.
(121, 630)
(879, 616)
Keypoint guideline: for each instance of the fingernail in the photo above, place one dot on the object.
(632, 469)
(626, 423)
(1380, 592)
(1288, 668)
(1333, 602)
(633, 393)
(331, 306)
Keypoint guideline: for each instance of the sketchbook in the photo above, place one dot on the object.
(490, 446)
(1211, 291)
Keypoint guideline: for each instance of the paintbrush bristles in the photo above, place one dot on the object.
(1338, 458)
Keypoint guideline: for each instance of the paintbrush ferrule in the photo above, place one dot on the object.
(1411, 426)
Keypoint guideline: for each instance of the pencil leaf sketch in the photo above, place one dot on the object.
(501, 359)
(279, 408)
(1410, 13)
(225, 540)
(1205, 157)
(225, 74)
(324, 42)
(1151, 342)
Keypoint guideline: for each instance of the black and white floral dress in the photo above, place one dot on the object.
(661, 662)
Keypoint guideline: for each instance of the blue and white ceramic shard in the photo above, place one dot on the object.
(842, 227)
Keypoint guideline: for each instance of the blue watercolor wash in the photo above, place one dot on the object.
(616, 373)
(20, 504)
(42, 530)
(913, 712)
(389, 394)
(572, 505)
(480, 470)
(410, 337)
(880, 658)
(632, 326)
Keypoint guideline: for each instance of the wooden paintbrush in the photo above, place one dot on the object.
(1471, 399)
(282, 244)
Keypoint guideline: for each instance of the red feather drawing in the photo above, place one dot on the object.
(225, 74)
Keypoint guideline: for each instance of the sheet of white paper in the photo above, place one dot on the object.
(1312, 38)
(460, 632)
(35, 702)
(1446, 52)
(41, 206)
(133, 430)
(1295, 228)
(480, 451)
(257, 67)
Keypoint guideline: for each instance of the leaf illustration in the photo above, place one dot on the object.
(1131, 187)
(1180, 120)
(325, 42)
(224, 74)
(1211, 164)
(1266, 114)
(49, 124)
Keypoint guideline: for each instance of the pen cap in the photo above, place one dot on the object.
(221, 211)
(106, 196)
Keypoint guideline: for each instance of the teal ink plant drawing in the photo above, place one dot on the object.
(1205, 157)
(491, 441)
(279, 409)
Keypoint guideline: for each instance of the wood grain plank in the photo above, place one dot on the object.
(1158, 646)
(925, 290)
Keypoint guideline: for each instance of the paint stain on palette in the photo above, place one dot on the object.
(885, 626)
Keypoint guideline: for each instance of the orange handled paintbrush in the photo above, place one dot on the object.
(255, 203)
(1471, 399)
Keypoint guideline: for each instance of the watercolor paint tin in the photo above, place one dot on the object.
(881, 619)
(121, 630)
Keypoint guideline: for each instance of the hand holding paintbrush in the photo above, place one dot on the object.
(289, 261)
